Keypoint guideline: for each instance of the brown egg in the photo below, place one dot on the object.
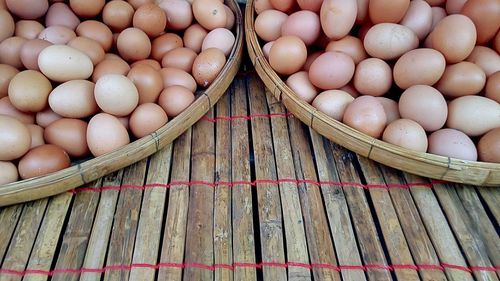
(311, 5)
(266, 49)
(43, 160)
(14, 137)
(207, 66)
(391, 109)
(387, 10)
(180, 15)
(116, 94)
(209, 13)
(74, 99)
(106, 133)
(70, 135)
(268, 24)
(7, 72)
(348, 45)
(148, 82)
(485, 15)
(30, 51)
(220, 38)
(29, 91)
(151, 19)
(406, 133)
(418, 18)
(373, 77)
(452, 143)
(125, 121)
(87, 8)
(230, 18)
(488, 146)
(473, 115)
(193, 37)
(61, 14)
(110, 66)
(149, 62)
(349, 88)
(455, 37)
(10, 50)
(389, 41)
(436, 2)
(175, 99)
(425, 105)
(118, 15)
(6, 108)
(283, 49)
(283, 5)
(461, 79)
(324, 76)
(88, 46)
(496, 42)
(333, 103)
(310, 59)
(419, 67)
(36, 133)
(262, 5)
(300, 84)
(146, 119)
(28, 9)
(366, 115)
(492, 90)
(486, 58)
(57, 34)
(7, 25)
(173, 76)
(9, 172)
(181, 58)
(362, 10)
(133, 44)
(303, 24)
(46, 117)
(97, 31)
(438, 14)
(62, 63)
(338, 17)
(165, 43)
(454, 6)
(137, 3)
(28, 29)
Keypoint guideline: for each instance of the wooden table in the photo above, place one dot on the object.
(250, 193)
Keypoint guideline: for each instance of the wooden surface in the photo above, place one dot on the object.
(250, 193)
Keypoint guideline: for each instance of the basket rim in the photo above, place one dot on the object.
(86, 172)
(314, 118)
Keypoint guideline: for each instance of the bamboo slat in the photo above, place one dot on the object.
(9, 218)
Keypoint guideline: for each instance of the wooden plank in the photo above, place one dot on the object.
(413, 227)
(242, 213)
(388, 220)
(151, 218)
(23, 239)
(337, 210)
(468, 237)
(368, 239)
(438, 229)
(321, 250)
(101, 229)
(9, 217)
(270, 218)
(124, 230)
(76, 236)
(199, 241)
(223, 253)
(174, 237)
(44, 251)
(492, 198)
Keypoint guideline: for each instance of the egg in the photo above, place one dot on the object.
(207, 66)
(7, 25)
(267, 48)
(324, 76)
(43, 160)
(118, 15)
(7, 72)
(230, 18)
(373, 77)
(452, 143)
(484, 14)
(151, 19)
(148, 62)
(366, 115)
(300, 84)
(89, 47)
(105, 133)
(406, 133)
(488, 146)
(209, 13)
(283, 5)
(165, 43)
(173, 76)
(74, 99)
(389, 41)
(57, 34)
(97, 31)
(333, 103)
(486, 58)
(8, 172)
(349, 88)
(14, 137)
(116, 94)
(137, 3)
(175, 99)
(29, 91)
(282, 50)
(348, 45)
(454, 6)
(193, 37)
(438, 14)
(70, 135)
(311, 5)
(28, 9)
(220, 38)
(6, 108)
(10, 51)
(87, 8)
(391, 109)
(492, 90)
(425, 105)
(362, 10)
(110, 66)
(387, 11)
(148, 82)
(36, 133)
(45, 117)
(455, 37)
(181, 58)
(338, 17)
(418, 18)
(180, 14)
(30, 52)
(303, 24)
(461, 79)
(310, 58)
(146, 119)
(28, 29)
(62, 63)
(473, 115)
(419, 67)
(496, 42)
(133, 44)
(268, 24)
(61, 14)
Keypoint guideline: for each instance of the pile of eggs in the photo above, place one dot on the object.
(82, 78)
(420, 74)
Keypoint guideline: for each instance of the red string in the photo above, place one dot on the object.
(338, 268)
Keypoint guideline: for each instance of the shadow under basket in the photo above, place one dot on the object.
(92, 169)
(419, 163)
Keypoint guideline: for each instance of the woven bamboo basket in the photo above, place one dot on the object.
(423, 164)
(90, 170)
